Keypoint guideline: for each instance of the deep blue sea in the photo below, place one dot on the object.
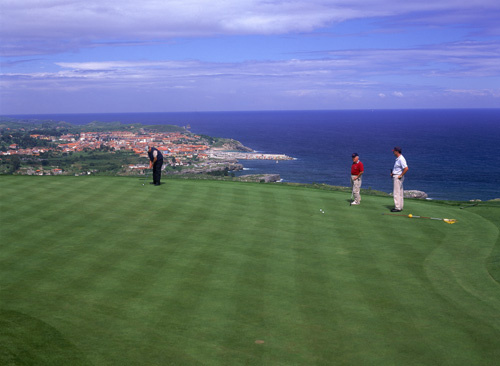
(452, 154)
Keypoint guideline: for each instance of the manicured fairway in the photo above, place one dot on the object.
(106, 271)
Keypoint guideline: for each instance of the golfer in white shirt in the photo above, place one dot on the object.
(397, 174)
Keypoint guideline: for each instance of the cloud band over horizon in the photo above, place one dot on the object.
(230, 55)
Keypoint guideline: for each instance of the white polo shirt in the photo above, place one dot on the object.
(399, 165)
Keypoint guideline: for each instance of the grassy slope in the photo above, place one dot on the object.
(103, 271)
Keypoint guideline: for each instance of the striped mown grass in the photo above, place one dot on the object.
(106, 271)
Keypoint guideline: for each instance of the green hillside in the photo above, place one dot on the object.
(108, 271)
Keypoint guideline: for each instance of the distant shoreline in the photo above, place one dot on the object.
(447, 143)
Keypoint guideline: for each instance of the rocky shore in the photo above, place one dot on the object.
(263, 178)
(415, 194)
(234, 145)
(209, 169)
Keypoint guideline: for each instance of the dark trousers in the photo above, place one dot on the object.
(157, 171)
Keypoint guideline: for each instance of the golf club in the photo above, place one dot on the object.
(145, 176)
(448, 221)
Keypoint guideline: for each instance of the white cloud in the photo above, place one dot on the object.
(475, 92)
(196, 85)
(45, 26)
(457, 59)
(114, 65)
(354, 69)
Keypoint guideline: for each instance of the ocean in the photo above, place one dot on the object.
(451, 154)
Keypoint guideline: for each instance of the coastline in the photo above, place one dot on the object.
(320, 141)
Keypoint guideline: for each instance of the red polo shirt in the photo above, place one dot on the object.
(357, 168)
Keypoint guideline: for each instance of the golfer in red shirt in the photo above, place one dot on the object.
(357, 171)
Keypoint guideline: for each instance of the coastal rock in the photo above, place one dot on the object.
(265, 178)
(230, 166)
(235, 145)
(415, 194)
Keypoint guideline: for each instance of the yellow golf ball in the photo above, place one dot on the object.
(410, 215)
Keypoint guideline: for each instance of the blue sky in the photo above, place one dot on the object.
(74, 56)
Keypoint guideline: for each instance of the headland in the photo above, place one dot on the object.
(58, 148)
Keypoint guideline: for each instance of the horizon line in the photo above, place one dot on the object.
(257, 111)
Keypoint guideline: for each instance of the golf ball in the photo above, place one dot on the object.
(410, 215)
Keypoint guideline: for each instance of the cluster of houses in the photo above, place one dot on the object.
(183, 147)
(15, 150)
(168, 143)
(172, 144)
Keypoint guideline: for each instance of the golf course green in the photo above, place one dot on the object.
(108, 271)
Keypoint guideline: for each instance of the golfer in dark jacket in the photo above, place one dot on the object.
(155, 163)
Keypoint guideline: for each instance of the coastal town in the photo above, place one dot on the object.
(183, 151)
